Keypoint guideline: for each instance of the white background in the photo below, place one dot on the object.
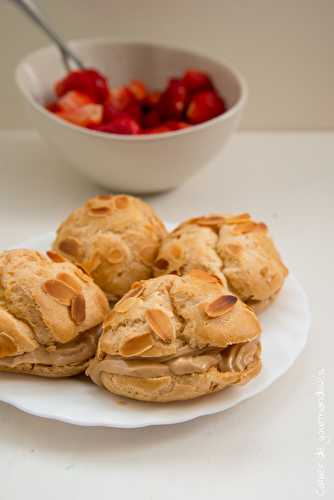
(263, 448)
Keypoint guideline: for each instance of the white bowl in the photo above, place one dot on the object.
(137, 164)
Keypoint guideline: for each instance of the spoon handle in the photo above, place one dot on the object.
(31, 10)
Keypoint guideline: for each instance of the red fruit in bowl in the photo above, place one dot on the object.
(88, 115)
(175, 125)
(204, 106)
(52, 106)
(172, 101)
(121, 98)
(87, 81)
(151, 119)
(73, 100)
(152, 99)
(110, 113)
(139, 90)
(121, 125)
(196, 81)
(157, 130)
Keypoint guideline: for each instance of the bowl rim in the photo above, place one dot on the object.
(81, 42)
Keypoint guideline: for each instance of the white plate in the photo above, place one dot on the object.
(78, 401)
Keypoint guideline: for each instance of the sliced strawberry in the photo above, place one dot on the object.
(87, 81)
(151, 100)
(139, 90)
(151, 119)
(88, 115)
(73, 100)
(157, 130)
(175, 125)
(196, 81)
(204, 106)
(121, 125)
(52, 106)
(121, 98)
(172, 101)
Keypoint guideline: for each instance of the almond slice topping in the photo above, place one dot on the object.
(124, 305)
(214, 220)
(137, 345)
(59, 290)
(220, 306)
(99, 211)
(70, 281)
(115, 256)
(55, 257)
(93, 263)
(161, 324)
(176, 251)
(78, 309)
(135, 291)
(237, 219)
(148, 253)
(72, 247)
(7, 345)
(204, 276)
(121, 201)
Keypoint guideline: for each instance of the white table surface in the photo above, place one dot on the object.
(264, 448)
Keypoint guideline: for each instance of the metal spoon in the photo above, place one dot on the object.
(32, 11)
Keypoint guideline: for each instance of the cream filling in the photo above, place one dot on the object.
(235, 358)
(77, 351)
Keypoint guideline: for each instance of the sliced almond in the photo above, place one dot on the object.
(99, 211)
(104, 197)
(91, 264)
(121, 201)
(210, 220)
(176, 251)
(220, 306)
(124, 305)
(148, 253)
(7, 345)
(161, 324)
(237, 219)
(115, 256)
(82, 274)
(70, 281)
(204, 276)
(78, 309)
(249, 227)
(233, 249)
(55, 257)
(136, 345)
(60, 291)
(161, 264)
(72, 247)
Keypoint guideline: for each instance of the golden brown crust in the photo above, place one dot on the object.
(239, 251)
(114, 238)
(47, 371)
(44, 303)
(165, 317)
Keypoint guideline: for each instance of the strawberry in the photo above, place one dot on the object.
(204, 106)
(157, 130)
(73, 100)
(121, 125)
(87, 81)
(196, 81)
(91, 114)
(139, 90)
(172, 101)
(175, 125)
(151, 119)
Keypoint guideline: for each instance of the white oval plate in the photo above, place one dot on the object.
(78, 401)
